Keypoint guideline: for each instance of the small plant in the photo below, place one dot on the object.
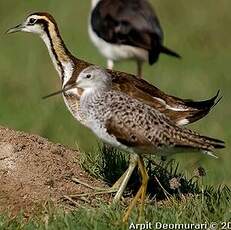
(165, 178)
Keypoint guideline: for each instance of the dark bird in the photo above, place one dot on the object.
(127, 29)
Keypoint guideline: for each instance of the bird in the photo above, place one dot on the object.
(128, 124)
(127, 29)
(180, 111)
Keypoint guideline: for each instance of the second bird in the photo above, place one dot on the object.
(127, 29)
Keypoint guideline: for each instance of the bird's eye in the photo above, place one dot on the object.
(32, 21)
(88, 76)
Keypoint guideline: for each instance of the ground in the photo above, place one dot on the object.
(34, 171)
(35, 178)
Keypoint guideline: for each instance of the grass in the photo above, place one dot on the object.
(190, 202)
(198, 30)
(106, 217)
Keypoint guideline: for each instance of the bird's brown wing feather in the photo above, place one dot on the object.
(127, 136)
(175, 108)
(144, 129)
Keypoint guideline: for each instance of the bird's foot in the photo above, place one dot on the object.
(96, 190)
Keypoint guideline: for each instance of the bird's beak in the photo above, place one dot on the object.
(15, 29)
(61, 91)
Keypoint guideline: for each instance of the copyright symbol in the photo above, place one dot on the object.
(213, 225)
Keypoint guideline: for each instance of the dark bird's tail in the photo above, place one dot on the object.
(207, 104)
(169, 52)
(157, 49)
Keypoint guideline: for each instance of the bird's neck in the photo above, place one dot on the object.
(62, 59)
(94, 3)
(93, 94)
(90, 96)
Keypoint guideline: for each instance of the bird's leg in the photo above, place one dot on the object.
(125, 177)
(131, 206)
(141, 192)
(98, 190)
(110, 64)
(145, 178)
(118, 187)
(118, 183)
(139, 68)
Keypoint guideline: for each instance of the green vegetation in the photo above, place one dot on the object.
(195, 211)
(198, 30)
(186, 202)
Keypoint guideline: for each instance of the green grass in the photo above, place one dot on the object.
(191, 203)
(202, 209)
(198, 30)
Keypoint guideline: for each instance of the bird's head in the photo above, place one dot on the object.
(93, 77)
(37, 23)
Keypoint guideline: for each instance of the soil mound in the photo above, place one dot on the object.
(34, 171)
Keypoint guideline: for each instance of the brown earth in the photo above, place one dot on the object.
(34, 171)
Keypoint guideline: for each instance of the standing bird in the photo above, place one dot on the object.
(128, 124)
(127, 29)
(179, 111)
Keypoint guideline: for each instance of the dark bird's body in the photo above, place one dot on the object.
(180, 111)
(127, 29)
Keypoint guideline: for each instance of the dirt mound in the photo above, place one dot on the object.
(34, 170)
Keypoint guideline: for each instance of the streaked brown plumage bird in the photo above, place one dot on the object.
(126, 123)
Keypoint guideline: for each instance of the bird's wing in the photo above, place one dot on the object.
(126, 135)
(180, 111)
(146, 130)
(128, 22)
(134, 124)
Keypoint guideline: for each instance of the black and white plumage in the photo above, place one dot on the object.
(127, 29)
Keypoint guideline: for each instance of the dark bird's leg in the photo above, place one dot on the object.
(139, 69)
(110, 64)
(140, 194)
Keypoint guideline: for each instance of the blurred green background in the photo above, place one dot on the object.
(199, 30)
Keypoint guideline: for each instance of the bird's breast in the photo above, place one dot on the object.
(72, 102)
(117, 52)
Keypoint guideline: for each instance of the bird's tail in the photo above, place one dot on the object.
(169, 52)
(199, 109)
(156, 49)
(207, 104)
(184, 111)
(189, 139)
